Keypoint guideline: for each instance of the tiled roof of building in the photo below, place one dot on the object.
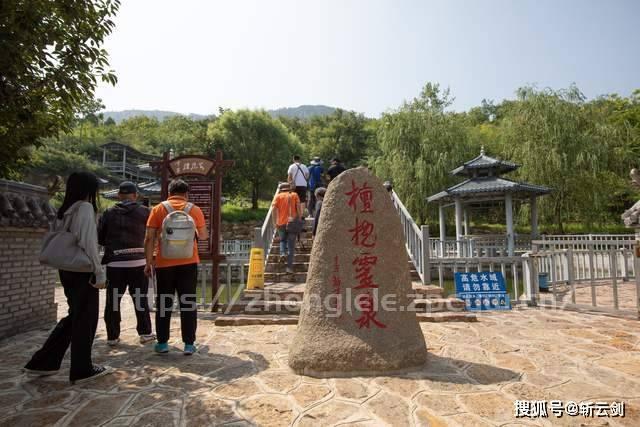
(484, 163)
(152, 188)
(488, 185)
(24, 205)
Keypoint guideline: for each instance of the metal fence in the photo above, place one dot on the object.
(263, 236)
(477, 246)
(415, 238)
(597, 275)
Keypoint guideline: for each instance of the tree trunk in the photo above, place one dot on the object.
(255, 190)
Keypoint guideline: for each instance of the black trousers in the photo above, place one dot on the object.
(119, 279)
(77, 329)
(180, 279)
(312, 202)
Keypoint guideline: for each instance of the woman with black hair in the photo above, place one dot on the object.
(78, 329)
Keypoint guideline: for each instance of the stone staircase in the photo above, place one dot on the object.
(280, 301)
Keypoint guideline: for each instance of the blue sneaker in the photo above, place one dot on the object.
(161, 348)
(189, 349)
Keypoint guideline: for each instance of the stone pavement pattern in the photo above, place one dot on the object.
(240, 377)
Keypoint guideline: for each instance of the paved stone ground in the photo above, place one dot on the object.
(240, 377)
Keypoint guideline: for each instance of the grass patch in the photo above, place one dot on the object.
(239, 210)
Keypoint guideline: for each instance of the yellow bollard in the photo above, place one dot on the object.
(256, 269)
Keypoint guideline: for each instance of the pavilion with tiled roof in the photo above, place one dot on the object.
(485, 187)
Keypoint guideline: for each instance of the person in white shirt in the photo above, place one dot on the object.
(298, 177)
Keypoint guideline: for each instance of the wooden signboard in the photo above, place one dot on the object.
(206, 193)
(201, 194)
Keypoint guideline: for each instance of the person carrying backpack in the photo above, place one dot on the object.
(298, 179)
(174, 225)
(287, 218)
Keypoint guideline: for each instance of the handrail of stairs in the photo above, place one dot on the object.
(416, 240)
(263, 236)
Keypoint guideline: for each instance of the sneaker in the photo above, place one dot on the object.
(114, 342)
(146, 338)
(161, 348)
(189, 349)
(40, 373)
(98, 371)
(282, 259)
(289, 270)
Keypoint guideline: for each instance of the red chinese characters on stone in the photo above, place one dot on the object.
(360, 199)
(336, 283)
(368, 314)
(363, 194)
(362, 234)
(364, 263)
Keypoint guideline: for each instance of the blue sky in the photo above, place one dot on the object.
(365, 55)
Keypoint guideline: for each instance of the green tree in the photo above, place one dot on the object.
(560, 145)
(260, 145)
(419, 144)
(343, 134)
(52, 57)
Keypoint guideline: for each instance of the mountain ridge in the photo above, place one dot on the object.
(302, 112)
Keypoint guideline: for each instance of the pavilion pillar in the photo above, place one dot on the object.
(458, 204)
(508, 205)
(104, 156)
(466, 221)
(534, 218)
(443, 231)
(124, 162)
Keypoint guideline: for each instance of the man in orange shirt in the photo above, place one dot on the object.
(286, 208)
(174, 275)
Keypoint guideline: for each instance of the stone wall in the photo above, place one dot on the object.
(239, 231)
(27, 289)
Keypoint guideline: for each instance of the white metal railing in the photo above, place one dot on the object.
(416, 240)
(236, 249)
(603, 264)
(240, 266)
(263, 236)
(477, 246)
(586, 241)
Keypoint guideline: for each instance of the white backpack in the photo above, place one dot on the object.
(178, 233)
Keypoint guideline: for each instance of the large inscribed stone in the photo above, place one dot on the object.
(354, 318)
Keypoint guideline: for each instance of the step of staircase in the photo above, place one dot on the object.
(299, 277)
(298, 267)
(299, 251)
(446, 317)
(248, 320)
(426, 291)
(275, 258)
(261, 307)
(269, 319)
(439, 305)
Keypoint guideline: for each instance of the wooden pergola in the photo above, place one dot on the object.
(486, 187)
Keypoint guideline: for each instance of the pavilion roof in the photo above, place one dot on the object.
(146, 189)
(484, 165)
(117, 146)
(487, 187)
